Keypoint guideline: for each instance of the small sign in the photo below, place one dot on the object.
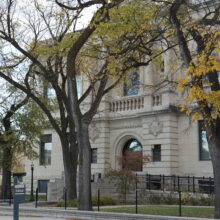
(19, 189)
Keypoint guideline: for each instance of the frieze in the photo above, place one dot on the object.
(123, 126)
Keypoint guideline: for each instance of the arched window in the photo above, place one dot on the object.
(132, 155)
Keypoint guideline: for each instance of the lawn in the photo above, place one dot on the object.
(203, 212)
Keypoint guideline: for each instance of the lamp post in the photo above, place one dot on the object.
(32, 182)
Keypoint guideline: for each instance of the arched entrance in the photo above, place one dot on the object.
(132, 154)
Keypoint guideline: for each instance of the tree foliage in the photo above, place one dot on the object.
(21, 124)
(118, 38)
(195, 28)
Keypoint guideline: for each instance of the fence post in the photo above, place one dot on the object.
(125, 199)
(136, 197)
(163, 182)
(174, 182)
(36, 198)
(178, 183)
(10, 195)
(180, 204)
(46, 193)
(194, 184)
(210, 186)
(188, 183)
(65, 198)
(146, 181)
(98, 200)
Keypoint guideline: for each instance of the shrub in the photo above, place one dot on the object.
(170, 199)
(70, 203)
(154, 199)
(104, 200)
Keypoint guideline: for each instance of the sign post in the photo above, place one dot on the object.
(19, 196)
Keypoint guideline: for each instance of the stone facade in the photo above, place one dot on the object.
(151, 117)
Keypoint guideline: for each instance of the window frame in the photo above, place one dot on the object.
(92, 155)
(154, 158)
(46, 138)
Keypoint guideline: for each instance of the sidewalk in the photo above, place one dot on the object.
(36, 218)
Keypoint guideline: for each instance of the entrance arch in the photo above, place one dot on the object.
(132, 153)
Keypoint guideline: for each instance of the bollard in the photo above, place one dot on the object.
(36, 198)
(98, 200)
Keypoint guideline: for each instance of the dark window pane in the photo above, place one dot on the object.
(94, 155)
(203, 143)
(156, 151)
(46, 150)
(42, 186)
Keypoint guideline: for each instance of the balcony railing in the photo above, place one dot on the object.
(127, 104)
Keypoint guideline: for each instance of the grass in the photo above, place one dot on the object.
(202, 212)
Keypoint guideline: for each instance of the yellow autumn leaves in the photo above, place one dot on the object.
(197, 82)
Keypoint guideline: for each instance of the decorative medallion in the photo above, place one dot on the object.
(93, 132)
(155, 128)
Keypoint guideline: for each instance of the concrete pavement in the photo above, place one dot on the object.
(2, 217)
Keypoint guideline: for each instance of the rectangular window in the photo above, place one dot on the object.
(156, 153)
(78, 85)
(49, 94)
(94, 155)
(132, 84)
(42, 186)
(203, 143)
(46, 150)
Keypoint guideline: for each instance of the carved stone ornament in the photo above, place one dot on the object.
(93, 132)
(156, 127)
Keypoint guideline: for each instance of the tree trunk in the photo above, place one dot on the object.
(85, 201)
(213, 137)
(6, 174)
(70, 157)
(70, 173)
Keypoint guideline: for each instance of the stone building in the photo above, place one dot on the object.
(142, 114)
(136, 116)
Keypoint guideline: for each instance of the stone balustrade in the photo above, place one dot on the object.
(127, 104)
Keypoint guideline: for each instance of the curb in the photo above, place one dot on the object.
(46, 212)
